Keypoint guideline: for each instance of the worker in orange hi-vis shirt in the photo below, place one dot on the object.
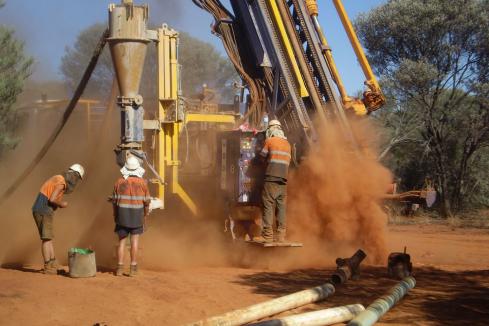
(277, 152)
(49, 199)
(131, 201)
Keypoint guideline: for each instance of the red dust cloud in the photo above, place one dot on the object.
(334, 197)
(333, 205)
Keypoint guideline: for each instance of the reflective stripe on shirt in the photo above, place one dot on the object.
(131, 205)
(280, 153)
(131, 197)
(278, 161)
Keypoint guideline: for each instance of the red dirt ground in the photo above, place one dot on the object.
(451, 268)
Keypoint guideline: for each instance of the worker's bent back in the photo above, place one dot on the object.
(42, 205)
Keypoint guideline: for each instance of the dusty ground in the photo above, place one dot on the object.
(451, 266)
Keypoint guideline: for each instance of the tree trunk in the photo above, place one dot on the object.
(446, 204)
(458, 192)
(385, 151)
(441, 168)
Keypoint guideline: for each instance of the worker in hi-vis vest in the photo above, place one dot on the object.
(277, 153)
(50, 198)
(130, 201)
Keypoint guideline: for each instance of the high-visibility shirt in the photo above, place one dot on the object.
(41, 205)
(277, 152)
(130, 196)
(48, 187)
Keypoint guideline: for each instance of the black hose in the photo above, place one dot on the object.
(66, 115)
(230, 35)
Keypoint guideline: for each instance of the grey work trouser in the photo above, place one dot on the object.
(274, 195)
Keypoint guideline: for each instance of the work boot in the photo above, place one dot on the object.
(280, 236)
(263, 239)
(266, 235)
(49, 269)
(54, 264)
(120, 270)
(133, 271)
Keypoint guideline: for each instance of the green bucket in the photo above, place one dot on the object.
(82, 262)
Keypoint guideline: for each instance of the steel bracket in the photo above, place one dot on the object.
(151, 125)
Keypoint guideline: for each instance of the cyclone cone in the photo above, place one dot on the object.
(128, 58)
(128, 45)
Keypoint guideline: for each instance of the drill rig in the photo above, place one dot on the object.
(285, 63)
(284, 60)
(286, 66)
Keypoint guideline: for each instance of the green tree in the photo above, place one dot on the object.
(432, 56)
(201, 64)
(400, 126)
(76, 58)
(15, 67)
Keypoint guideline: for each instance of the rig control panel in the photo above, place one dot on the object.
(240, 168)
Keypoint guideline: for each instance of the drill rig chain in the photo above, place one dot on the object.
(323, 76)
(300, 113)
(311, 55)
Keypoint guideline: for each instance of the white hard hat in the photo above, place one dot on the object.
(274, 123)
(132, 163)
(78, 168)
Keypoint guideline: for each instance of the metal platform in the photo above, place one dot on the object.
(275, 244)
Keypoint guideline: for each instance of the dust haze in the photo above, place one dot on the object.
(335, 197)
(333, 204)
(173, 238)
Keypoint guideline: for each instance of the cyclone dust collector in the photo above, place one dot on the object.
(128, 45)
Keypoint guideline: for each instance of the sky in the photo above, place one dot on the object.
(49, 26)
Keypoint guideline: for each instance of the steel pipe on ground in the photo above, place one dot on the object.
(269, 308)
(380, 306)
(317, 318)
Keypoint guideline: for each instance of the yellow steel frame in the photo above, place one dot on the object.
(216, 118)
(168, 81)
(168, 138)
